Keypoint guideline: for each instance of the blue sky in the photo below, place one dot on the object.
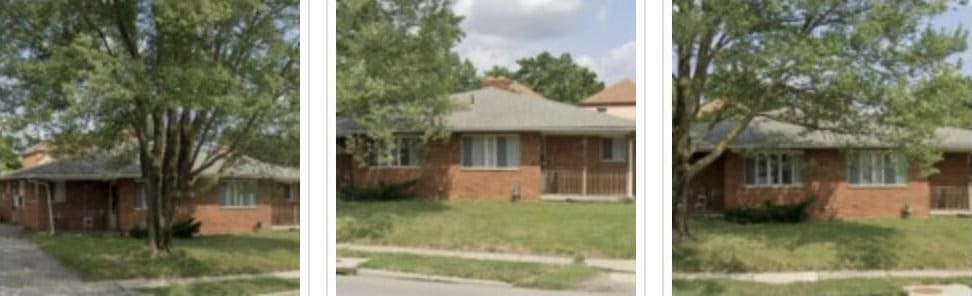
(599, 34)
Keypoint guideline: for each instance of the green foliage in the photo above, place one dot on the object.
(558, 78)
(187, 228)
(390, 191)
(466, 77)
(770, 213)
(395, 66)
(498, 71)
(9, 160)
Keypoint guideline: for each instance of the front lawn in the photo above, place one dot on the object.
(851, 287)
(96, 257)
(932, 243)
(246, 287)
(521, 274)
(596, 230)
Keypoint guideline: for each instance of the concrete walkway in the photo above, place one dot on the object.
(618, 265)
(26, 270)
(813, 276)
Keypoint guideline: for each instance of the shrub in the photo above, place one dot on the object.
(186, 228)
(380, 192)
(138, 232)
(788, 213)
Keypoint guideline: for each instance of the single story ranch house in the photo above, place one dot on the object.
(90, 194)
(848, 176)
(503, 144)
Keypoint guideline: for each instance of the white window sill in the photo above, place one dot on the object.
(795, 186)
(484, 169)
(877, 186)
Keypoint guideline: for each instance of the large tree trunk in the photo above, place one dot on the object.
(680, 193)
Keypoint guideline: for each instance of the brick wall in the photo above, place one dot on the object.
(825, 179)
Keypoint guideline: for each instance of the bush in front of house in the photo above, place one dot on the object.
(381, 192)
(769, 213)
(186, 228)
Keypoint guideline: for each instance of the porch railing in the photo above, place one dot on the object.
(949, 198)
(285, 215)
(572, 181)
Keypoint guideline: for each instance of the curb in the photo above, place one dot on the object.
(814, 276)
(429, 278)
(613, 265)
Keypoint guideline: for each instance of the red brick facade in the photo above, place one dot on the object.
(110, 206)
(825, 179)
(441, 175)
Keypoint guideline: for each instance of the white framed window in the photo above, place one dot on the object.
(780, 168)
(60, 192)
(141, 198)
(18, 198)
(614, 149)
(238, 194)
(876, 168)
(407, 153)
(490, 151)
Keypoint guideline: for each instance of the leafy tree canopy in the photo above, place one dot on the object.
(466, 77)
(499, 71)
(847, 66)
(396, 66)
(557, 78)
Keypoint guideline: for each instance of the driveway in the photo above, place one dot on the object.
(25, 270)
(369, 286)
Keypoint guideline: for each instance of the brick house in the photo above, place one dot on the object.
(92, 194)
(849, 176)
(503, 143)
(617, 99)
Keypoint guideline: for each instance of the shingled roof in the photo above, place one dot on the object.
(102, 167)
(495, 110)
(767, 133)
(620, 93)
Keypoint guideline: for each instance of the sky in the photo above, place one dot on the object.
(598, 34)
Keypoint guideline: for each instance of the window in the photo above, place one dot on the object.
(60, 192)
(407, 153)
(293, 192)
(141, 199)
(869, 168)
(602, 109)
(18, 198)
(614, 149)
(238, 194)
(491, 151)
(774, 169)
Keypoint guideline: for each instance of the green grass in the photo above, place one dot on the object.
(852, 287)
(933, 243)
(595, 230)
(236, 287)
(110, 257)
(520, 274)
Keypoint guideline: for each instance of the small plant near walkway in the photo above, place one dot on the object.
(852, 287)
(720, 246)
(566, 229)
(245, 287)
(532, 275)
(95, 257)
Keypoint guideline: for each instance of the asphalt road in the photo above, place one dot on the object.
(372, 286)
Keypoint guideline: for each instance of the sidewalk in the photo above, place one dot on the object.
(156, 283)
(618, 265)
(813, 276)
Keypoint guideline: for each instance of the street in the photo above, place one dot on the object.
(372, 286)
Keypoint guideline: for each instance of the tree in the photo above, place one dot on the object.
(558, 78)
(179, 86)
(846, 66)
(395, 67)
(499, 71)
(9, 160)
(465, 74)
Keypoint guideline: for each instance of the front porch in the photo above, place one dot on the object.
(587, 168)
(951, 201)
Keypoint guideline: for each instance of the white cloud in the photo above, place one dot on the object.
(617, 64)
(520, 19)
(602, 13)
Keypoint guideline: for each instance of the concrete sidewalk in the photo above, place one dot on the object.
(813, 276)
(617, 265)
(156, 283)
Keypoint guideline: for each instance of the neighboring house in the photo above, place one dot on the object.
(36, 155)
(501, 144)
(93, 194)
(511, 85)
(850, 176)
(617, 99)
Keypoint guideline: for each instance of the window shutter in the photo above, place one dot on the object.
(853, 169)
(750, 170)
(797, 162)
